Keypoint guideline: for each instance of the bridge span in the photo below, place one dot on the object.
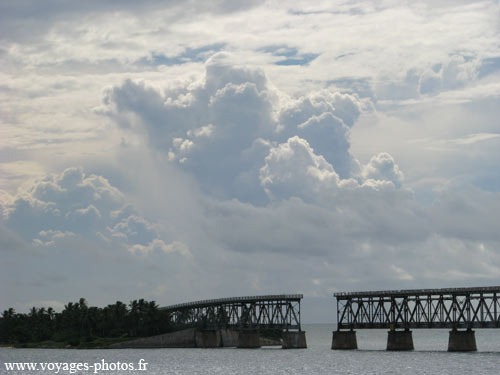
(242, 318)
(458, 309)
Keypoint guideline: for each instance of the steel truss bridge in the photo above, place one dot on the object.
(270, 311)
(422, 308)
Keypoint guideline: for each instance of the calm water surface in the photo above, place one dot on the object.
(430, 357)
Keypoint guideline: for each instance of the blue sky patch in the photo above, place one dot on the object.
(489, 66)
(291, 55)
(298, 60)
(200, 54)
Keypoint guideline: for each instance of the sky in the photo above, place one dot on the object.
(179, 151)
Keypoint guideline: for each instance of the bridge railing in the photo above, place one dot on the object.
(217, 301)
(414, 292)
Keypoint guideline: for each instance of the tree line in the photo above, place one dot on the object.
(80, 323)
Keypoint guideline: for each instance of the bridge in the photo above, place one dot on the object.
(458, 309)
(245, 316)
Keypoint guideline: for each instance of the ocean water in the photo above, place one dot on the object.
(429, 357)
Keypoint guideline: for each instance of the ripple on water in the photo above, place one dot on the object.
(430, 357)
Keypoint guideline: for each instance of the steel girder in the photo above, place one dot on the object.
(424, 308)
(276, 311)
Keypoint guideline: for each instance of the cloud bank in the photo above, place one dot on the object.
(179, 151)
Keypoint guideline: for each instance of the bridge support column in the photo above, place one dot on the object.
(344, 340)
(400, 340)
(462, 341)
(294, 340)
(208, 339)
(229, 337)
(249, 339)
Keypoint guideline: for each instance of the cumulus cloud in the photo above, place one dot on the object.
(58, 201)
(293, 169)
(62, 207)
(329, 137)
(382, 167)
(224, 117)
(454, 73)
(449, 73)
(225, 130)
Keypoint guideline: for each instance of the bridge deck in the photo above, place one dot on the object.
(418, 292)
(231, 300)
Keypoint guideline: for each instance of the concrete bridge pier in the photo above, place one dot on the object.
(400, 340)
(249, 339)
(344, 340)
(208, 338)
(462, 341)
(229, 337)
(294, 340)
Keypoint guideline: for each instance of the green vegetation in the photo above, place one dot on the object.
(81, 326)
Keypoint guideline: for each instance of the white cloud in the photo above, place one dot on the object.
(49, 237)
(293, 169)
(65, 206)
(401, 273)
(382, 167)
(234, 115)
(449, 75)
(159, 245)
(474, 138)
